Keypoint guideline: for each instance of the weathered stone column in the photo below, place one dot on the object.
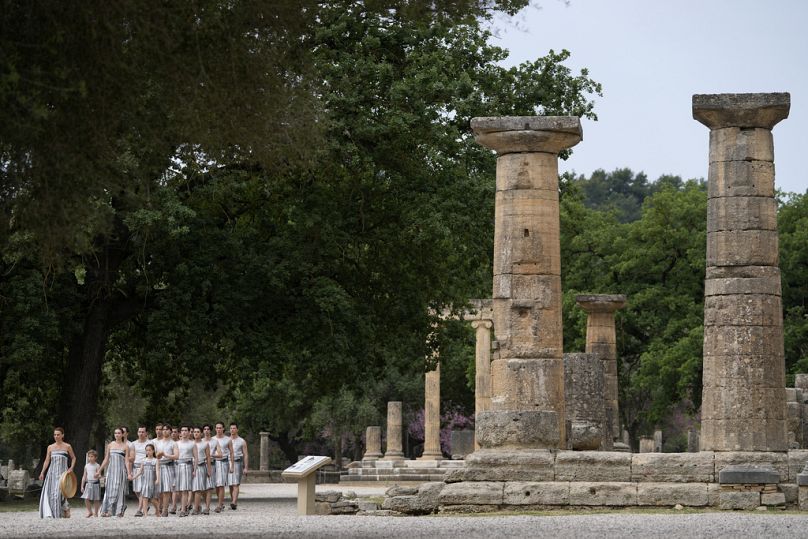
(394, 426)
(482, 366)
(527, 380)
(743, 401)
(601, 339)
(432, 415)
(373, 444)
(586, 406)
(263, 463)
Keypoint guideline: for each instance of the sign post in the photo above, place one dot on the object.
(303, 471)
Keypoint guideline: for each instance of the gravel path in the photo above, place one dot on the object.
(269, 511)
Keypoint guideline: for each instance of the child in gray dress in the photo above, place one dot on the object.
(90, 487)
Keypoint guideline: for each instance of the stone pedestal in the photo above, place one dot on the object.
(601, 339)
(482, 368)
(527, 380)
(373, 444)
(394, 425)
(646, 444)
(263, 463)
(657, 441)
(743, 400)
(692, 441)
(586, 410)
(432, 449)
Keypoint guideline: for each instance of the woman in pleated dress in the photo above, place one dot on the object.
(186, 470)
(51, 502)
(201, 485)
(119, 472)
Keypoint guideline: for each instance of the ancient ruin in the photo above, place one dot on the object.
(744, 460)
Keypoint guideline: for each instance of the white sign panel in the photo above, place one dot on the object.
(305, 466)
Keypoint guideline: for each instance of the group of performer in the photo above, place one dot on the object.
(176, 472)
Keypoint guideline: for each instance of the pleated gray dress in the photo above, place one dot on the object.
(51, 502)
(147, 487)
(116, 483)
(92, 487)
(185, 465)
(201, 480)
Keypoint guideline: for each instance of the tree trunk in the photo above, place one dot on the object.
(79, 406)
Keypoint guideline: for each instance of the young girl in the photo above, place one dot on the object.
(149, 474)
(90, 487)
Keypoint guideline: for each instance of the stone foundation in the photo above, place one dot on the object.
(402, 471)
(546, 479)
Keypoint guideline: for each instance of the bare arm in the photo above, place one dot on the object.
(207, 457)
(232, 455)
(196, 460)
(72, 457)
(157, 471)
(128, 461)
(46, 464)
(106, 461)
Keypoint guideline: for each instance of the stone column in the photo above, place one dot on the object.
(264, 450)
(394, 426)
(743, 401)
(482, 368)
(373, 444)
(527, 380)
(601, 339)
(432, 415)
(647, 444)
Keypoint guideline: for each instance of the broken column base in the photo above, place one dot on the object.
(498, 480)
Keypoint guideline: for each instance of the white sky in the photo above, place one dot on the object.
(652, 55)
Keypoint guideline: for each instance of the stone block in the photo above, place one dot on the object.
(750, 434)
(330, 496)
(741, 213)
(670, 494)
(472, 493)
(791, 394)
(322, 508)
(776, 460)
(603, 493)
(743, 310)
(593, 466)
(737, 144)
(735, 397)
(740, 179)
(797, 459)
(744, 474)
(18, 481)
(527, 330)
(713, 490)
(527, 135)
(399, 490)
(743, 341)
(518, 429)
(584, 390)
(462, 443)
(401, 504)
(750, 110)
(506, 465)
(760, 248)
(536, 493)
(742, 285)
(801, 381)
(772, 498)
(802, 479)
(738, 500)
(673, 467)
(791, 492)
(802, 498)
(646, 444)
(738, 373)
(428, 494)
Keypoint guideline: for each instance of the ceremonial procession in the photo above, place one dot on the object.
(176, 472)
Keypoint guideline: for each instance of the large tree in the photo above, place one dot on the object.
(267, 195)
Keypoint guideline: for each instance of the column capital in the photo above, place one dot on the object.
(517, 134)
(718, 111)
(485, 324)
(601, 303)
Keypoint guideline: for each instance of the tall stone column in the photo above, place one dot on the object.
(432, 415)
(263, 463)
(743, 401)
(601, 339)
(394, 426)
(527, 380)
(373, 444)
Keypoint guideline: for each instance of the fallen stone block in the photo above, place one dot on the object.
(797, 458)
(593, 466)
(745, 474)
(605, 493)
(790, 491)
(536, 493)
(670, 494)
(329, 496)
